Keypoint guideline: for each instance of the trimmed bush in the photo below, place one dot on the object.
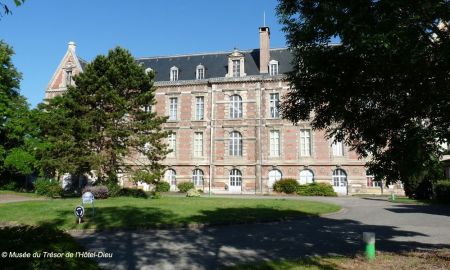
(162, 187)
(133, 192)
(114, 190)
(316, 189)
(12, 186)
(442, 190)
(99, 192)
(193, 193)
(155, 195)
(48, 187)
(185, 186)
(287, 186)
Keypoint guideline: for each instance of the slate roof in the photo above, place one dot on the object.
(216, 64)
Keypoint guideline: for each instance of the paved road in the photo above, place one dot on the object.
(398, 227)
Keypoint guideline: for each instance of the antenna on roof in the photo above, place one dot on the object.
(264, 15)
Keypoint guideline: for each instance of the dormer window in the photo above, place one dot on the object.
(273, 67)
(236, 63)
(174, 73)
(200, 73)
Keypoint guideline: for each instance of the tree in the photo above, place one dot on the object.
(16, 130)
(103, 123)
(7, 9)
(384, 89)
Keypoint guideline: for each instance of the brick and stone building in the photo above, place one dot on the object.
(228, 134)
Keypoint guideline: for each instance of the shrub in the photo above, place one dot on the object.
(193, 193)
(155, 195)
(114, 189)
(442, 190)
(185, 186)
(316, 189)
(162, 187)
(99, 192)
(10, 186)
(48, 187)
(287, 185)
(132, 192)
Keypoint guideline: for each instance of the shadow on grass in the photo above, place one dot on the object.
(223, 246)
(432, 209)
(312, 263)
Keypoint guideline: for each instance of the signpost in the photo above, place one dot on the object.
(86, 198)
(79, 212)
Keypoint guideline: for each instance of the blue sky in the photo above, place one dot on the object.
(40, 30)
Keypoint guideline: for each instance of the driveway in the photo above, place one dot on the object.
(398, 227)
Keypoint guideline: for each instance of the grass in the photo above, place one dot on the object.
(437, 259)
(23, 194)
(37, 240)
(132, 213)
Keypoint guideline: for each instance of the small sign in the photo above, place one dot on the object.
(79, 211)
(87, 197)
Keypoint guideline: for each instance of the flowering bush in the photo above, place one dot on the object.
(99, 192)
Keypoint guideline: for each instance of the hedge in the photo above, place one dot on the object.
(442, 190)
(99, 192)
(162, 187)
(287, 185)
(48, 187)
(316, 189)
(185, 186)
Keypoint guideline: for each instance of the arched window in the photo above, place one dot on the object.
(174, 73)
(235, 106)
(339, 178)
(200, 72)
(170, 176)
(274, 175)
(235, 145)
(197, 177)
(306, 177)
(235, 179)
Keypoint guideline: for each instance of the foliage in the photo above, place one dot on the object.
(40, 239)
(114, 189)
(132, 192)
(99, 192)
(185, 186)
(442, 190)
(156, 195)
(287, 185)
(383, 89)
(162, 186)
(10, 186)
(316, 189)
(193, 193)
(48, 187)
(145, 177)
(102, 120)
(7, 8)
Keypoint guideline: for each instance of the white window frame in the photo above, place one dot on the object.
(306, 176)
(339, 178)
(197, 177)
(200, 72)
(199, 108)
(235, 178)
(273, 68)
(173, 108)
(274, 105)
(198, 144)
(338, 149)
(370, 181)
(305, 142)
(274, 176)
(236, 107)
(235, 144)
(172, 142)
(174, 73)
(274, 143)
(170, 176)
(236, 68)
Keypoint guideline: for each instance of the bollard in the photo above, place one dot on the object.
(369, 241)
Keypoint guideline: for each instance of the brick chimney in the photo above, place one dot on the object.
(264, 46)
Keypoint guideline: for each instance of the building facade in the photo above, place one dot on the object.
(228, 134)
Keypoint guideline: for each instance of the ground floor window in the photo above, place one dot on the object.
(339, 178)
(371, 181)
(306, 177)
(170, 176)
(235, 178)
(274, 175)
(197, 177)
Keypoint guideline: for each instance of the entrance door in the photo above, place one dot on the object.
(340, 182)
(235, 181)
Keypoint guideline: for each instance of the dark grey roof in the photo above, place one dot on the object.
(83, 63)
(216, 64)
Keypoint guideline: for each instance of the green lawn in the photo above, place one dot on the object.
(23, 194)
(127, 212)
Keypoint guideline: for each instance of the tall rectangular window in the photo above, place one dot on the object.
(305, 143)
(198, 144)
(274, 105)
(200, 73)
(172, 142)
(338, 149)
(236, 68)
(199, 108)
(173, 107)
(273, 69)
(274, 143)
(68, 77)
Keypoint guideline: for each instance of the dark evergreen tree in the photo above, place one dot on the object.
(384, 88)
(103, 123)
